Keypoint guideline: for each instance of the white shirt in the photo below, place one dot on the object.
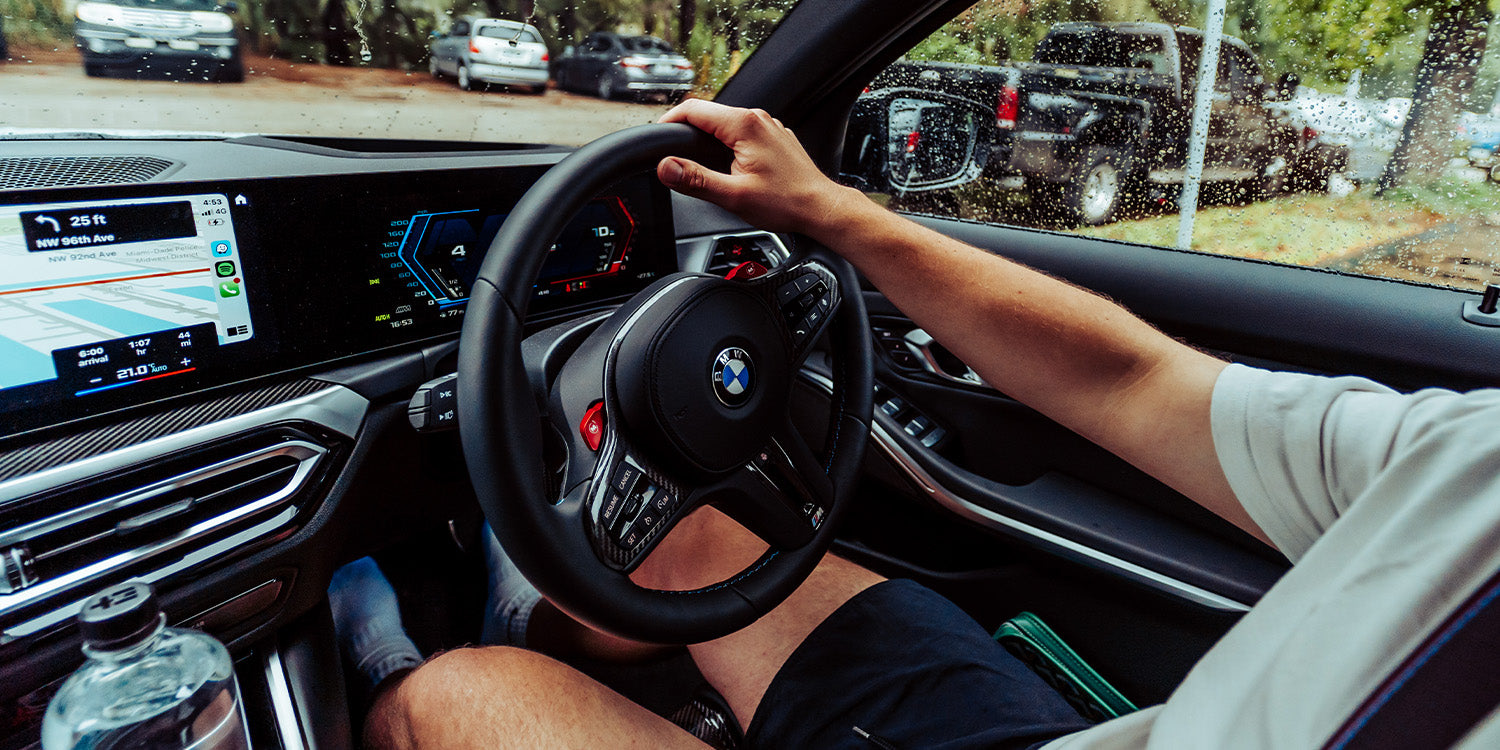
(1389, 506)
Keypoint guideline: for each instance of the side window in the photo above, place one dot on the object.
(1042, 120)
(460, 28)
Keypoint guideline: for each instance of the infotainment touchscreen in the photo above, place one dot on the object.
(102, 295)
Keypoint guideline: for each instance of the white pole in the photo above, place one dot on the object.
(1203, 103)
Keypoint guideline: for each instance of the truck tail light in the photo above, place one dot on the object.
(912, 140)
(546, 57)
(1008, 108)
(474, 46)
(1308, 134)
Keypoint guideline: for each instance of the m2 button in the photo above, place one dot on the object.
(591, 428)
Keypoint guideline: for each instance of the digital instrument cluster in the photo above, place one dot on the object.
(115, 296)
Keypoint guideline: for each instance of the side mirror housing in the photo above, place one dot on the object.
(920, 140)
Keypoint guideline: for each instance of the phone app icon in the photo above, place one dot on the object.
(229, 289)
(221, 249)
(224, 268)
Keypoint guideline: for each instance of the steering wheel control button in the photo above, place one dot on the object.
(592, 426)
(610, 513)
(747, 271)
(434, 407)
(624, 479)
(648, 520)
(733, 376)
(662, 502)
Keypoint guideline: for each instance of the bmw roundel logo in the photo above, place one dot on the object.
(733, 376)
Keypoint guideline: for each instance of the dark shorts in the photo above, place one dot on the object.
(903, 663)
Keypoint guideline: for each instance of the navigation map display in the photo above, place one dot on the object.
(103, 295)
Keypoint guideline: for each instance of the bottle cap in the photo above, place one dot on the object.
(119, 616)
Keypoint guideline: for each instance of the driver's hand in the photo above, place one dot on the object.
(772, 184)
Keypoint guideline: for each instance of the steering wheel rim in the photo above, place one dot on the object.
(501, 421)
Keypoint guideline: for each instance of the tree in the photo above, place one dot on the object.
(687, 18)
(1445, 76)
(337, 36)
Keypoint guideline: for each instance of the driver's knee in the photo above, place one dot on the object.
(458, 698)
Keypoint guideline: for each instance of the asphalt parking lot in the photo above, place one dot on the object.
(47, 89)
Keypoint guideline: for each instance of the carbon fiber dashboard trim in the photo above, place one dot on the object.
(53, 453)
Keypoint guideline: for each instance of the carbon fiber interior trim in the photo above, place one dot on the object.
(42, 456)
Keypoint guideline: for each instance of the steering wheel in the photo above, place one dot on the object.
(678, 399)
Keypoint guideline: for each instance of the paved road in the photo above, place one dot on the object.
(47, 89)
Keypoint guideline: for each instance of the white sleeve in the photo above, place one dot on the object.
(1298, 449)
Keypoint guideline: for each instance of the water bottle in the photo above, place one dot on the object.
(144, 686)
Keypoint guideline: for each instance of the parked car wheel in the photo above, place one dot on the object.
(432, 67)
(465, 82)
(1097, 190)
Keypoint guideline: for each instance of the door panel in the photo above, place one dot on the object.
(1003, 467)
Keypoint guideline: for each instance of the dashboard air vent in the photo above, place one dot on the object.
(730, 251)
(17, 173)
(158, 522)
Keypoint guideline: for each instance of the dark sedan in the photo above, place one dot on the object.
(612, 65)
(194, 39)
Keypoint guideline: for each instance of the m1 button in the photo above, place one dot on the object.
(592, 426)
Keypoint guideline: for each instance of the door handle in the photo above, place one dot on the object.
(939, 361)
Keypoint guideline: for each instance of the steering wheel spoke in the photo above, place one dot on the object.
(631, 505)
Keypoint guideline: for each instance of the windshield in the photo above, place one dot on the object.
(389, 69)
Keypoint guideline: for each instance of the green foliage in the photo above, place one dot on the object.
(42, 23)
(1325, 41)
(1447, 197)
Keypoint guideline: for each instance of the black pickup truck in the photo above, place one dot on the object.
(1101, 118)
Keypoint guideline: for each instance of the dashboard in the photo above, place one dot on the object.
(119, 295)
(207, 350)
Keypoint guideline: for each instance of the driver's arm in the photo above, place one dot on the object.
(1072, 355)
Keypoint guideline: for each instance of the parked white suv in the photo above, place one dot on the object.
(482, 51)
